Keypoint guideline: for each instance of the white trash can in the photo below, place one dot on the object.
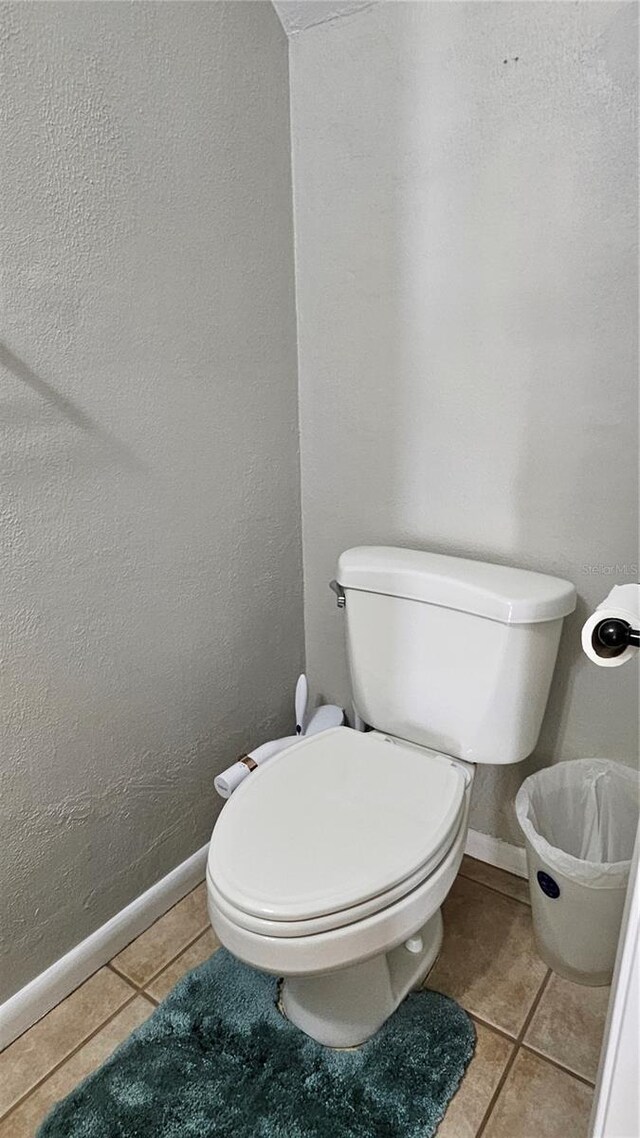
(579, 819)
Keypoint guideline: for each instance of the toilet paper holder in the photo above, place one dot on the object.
(611, 635)
(613, 632)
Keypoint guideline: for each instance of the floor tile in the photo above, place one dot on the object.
(196, 954)
(568, 1025)
(495, 878)
(539, 1101)
(49, 1041)
(468, 1106)
(23, 1122)
(488, 960)
(163, 940)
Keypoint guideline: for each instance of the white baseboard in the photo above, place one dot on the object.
(496, 852)
(50, 987)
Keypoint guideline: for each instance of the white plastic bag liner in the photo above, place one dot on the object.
(581, 817)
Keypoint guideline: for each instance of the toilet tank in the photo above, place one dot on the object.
(452, 654)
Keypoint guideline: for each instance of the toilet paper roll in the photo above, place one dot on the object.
(623, 603)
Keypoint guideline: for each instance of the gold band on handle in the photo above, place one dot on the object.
(249, 763)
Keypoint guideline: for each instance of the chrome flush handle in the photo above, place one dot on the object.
(341, 599)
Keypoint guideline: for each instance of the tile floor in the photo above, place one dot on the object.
(538, 1035)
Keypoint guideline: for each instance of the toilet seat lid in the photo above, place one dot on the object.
(335, 820)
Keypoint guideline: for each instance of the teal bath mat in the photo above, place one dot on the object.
(217, 1058)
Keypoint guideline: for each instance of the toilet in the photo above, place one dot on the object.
(328, 867)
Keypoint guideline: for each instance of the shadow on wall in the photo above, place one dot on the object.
(114, 449)
(458, 167)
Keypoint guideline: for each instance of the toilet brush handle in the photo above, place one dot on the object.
(301, 700)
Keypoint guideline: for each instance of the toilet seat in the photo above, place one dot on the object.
(325, 923)
(342, 947)
(392, 812)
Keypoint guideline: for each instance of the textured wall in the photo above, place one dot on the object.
(149, 509)
(465, 190)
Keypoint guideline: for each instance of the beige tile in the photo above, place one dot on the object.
(196, 954)
(539, 1101)
(163, 940)
(488, 960)
(49, 1041)
(568, 1025)
(24, 1120)
(468, 1106)
(495, 878)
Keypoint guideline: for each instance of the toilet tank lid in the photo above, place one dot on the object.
(498, 592)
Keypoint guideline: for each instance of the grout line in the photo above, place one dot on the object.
(489, 865)
(492, 1027)
(139, 991)
(534, 1007)
(155, 922)
(183, 949)
(496, 1094)
(528, 1047)
(74, 1051)
(555, 1063)
(511, 1060)
(494, 889)
(121, 975)
(154, 976)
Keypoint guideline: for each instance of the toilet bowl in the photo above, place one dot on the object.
(329, 865)
(329, 869)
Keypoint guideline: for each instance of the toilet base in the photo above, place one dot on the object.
(346, 1007)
